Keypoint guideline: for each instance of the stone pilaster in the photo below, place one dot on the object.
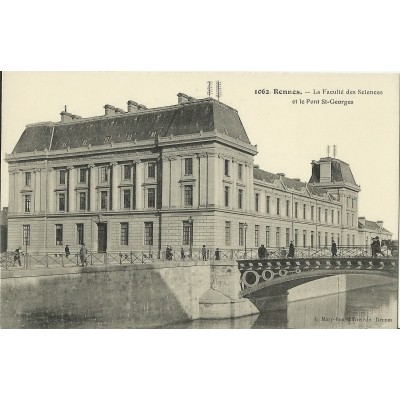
(92, 187)
(139, 176)
(37, 191)
(51, 197)
(115, 168)
(71, 189)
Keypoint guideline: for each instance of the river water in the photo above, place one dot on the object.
(372, 307)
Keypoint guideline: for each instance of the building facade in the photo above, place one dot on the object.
(181, 175)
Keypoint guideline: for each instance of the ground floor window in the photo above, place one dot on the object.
(278, 237)
(26, 235)
(79, 234)
(267, 236)
(59, 234)
(296, 237)
(287, 236)
(148, 233)
(124, 233)
(187, 234)
(241, 234)
(227, 233)
(256, 235)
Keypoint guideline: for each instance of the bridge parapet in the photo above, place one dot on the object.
(267, 272)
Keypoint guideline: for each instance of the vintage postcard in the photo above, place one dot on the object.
(199, 200)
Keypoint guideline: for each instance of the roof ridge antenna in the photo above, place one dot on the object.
(334, 151)
(209, 88)
(218, 89)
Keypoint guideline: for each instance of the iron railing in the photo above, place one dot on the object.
(11, 260)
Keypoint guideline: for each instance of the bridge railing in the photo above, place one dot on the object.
(11, 260)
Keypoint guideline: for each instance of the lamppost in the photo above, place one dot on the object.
(245, 239)
(26, 250)
(190, 236)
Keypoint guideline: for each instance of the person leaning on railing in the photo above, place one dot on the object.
(17, 256)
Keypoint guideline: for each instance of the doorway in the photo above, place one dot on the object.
(102, 237)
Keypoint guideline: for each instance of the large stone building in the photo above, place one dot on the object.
(179, 175)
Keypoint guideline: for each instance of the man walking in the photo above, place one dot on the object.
(204, 253)
(333, 249)
(291, 250)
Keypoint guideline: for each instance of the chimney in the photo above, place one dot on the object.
(141, 107)
(66, 116)
(133, 107)
(280, 174)
(380, 224)
(325, 172)
(183, 98)
(110, 110)
(76, 116)
(256, 166)
(361, 220)
(119, 111)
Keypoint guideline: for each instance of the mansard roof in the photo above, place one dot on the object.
(340, 171)
(294, 184)
(205, 115)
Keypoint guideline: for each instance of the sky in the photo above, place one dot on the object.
(288, 135)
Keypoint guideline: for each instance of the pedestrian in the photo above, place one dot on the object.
(17, 256)
(67, 252)
(83, 254)
(260, 252)
(217, 254)
(333, 249)
(168, 253)
(378, 247)
(283, 253)
(373, 247)
(182, 254)
(204, 253)
(291, 250)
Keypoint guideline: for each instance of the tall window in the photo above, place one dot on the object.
(79, 234)
(256, 199)
(338, 217)
(124, 233)
(59, 234)
(151, 170)
(312, 213)
(188, 194)
(296, 237)
(326, 239)
(240, 171)
(319, 214)
(103, 200)
(188, 166)
(348, 220)
(151, 198)
(326, 215)
(268, 204)
(227, 233)
(352, 220)
(127, 199)
(304, 238)
(103, 174)
(256, 235)
(312, 238)
(332, 216)
(187, 233)
(62, 174)
(127, 172)
(296, 210)
(241, 234)
(287, 208)
(226, 167)
(332, 239)
(287, 236)
(61, 202)
(304, 210)
(148, 233)
(240, 198)
(319, 239)
(82, 175)
(278, 237)
(338, 240)
(27, 203)
(26, 235)
(354, 240)
(82, 201)
(278, 206)
(226, 195)
(28, 177)
(348, 240)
